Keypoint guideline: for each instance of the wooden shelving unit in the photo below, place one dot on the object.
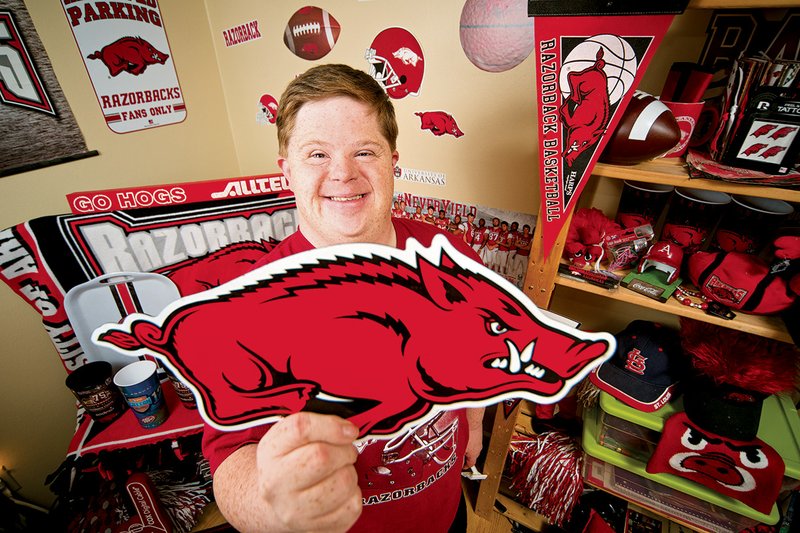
(542, 278)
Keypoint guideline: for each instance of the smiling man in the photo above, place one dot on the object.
(337, 137)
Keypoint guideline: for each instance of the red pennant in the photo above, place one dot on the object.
(587, 68)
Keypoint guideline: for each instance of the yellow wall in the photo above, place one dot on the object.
(493, 164)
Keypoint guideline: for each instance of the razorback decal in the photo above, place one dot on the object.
(129, 54)
(381, 336)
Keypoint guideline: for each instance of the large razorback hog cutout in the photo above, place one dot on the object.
(381, 336)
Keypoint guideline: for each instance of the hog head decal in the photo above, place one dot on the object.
(381, 336)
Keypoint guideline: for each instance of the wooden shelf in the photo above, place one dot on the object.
(765, 326)
(672, 171)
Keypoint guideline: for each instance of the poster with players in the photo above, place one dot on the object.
(38, 127)
(590, 56)
(125, 50)
(501, 238)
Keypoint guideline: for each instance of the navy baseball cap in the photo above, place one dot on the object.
(645, 370)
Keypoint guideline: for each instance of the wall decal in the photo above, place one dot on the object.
(311, 33)
(396, 60)
(267, 109)
(439, 123)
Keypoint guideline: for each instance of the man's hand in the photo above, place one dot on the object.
(300, 477)
(306, 473)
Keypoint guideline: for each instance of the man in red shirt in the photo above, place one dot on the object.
(492, 245)
(479, 234)
(337, 148)
(442, 221)
(523, 251)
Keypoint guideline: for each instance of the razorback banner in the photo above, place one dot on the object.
(42, 259)
(590, 56)
(125, 50)
(176, 194)
(394, 315)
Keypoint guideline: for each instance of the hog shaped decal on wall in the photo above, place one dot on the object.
(381, 336)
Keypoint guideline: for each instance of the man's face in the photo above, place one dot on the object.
(339, 166)
(495, 222)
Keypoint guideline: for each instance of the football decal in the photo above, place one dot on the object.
(437, 331)
(396, 61)
(311, 33)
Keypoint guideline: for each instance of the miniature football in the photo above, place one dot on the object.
(311, 33)
(647, 129)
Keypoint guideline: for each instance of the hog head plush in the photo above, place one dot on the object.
(381, 336)
(585, 238)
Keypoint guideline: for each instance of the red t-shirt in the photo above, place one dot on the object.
(409, 483)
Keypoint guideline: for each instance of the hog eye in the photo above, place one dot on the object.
(693, 440)
(753, 458)
(496, 328)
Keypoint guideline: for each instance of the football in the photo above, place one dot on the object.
(311, 33)
(647, 129)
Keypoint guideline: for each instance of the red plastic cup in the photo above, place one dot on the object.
(686, 114)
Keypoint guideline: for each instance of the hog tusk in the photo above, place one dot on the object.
(516, 359)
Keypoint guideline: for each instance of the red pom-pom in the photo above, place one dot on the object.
(741, 359)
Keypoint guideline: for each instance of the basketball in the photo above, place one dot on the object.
(620, 63)
(496, 35)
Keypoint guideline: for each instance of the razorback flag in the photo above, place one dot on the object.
(590, 56)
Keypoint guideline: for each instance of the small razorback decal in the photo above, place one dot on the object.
(381, 336)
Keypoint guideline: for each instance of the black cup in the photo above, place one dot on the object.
(642, 203)
(93, 386)
(692, 216)
(750, 223)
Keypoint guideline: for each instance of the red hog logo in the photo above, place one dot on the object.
(203, 273)
(432, 330)
(439, 123)
(772, 151)
(587, 110)
(763, 130)
(731, 241)
(687, 237)
(782, 132)
(754, 148)
(129, 54)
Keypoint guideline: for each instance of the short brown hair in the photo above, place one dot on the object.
(325, 81)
